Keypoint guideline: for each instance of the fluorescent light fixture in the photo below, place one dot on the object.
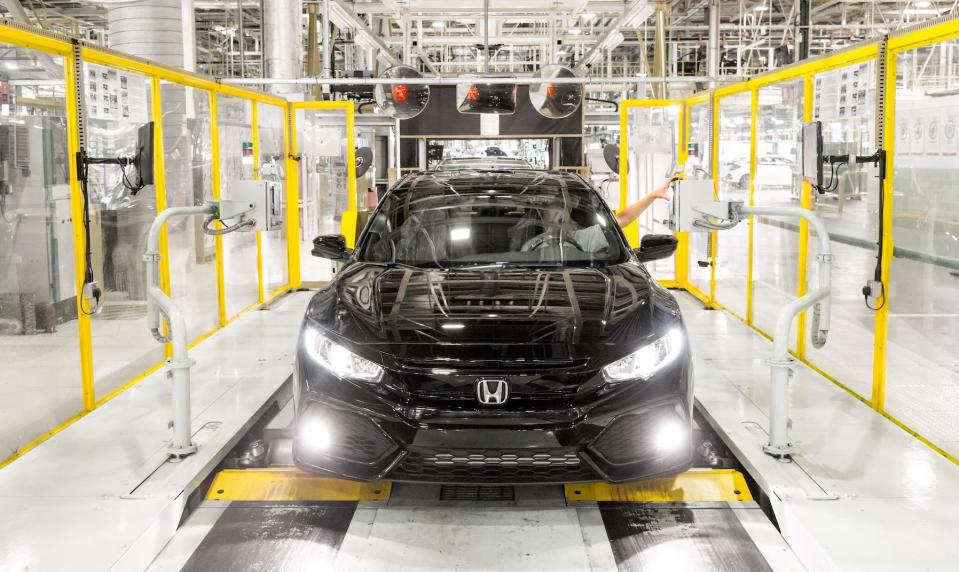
(438, 24)
(11, 65)
(453, 326)
(461, 233)
(561, 53)
(923, 4)
(761, 8)
(575, 31)
(588, 16)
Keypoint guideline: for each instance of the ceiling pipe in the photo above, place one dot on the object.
(712, 54)
(659, 51)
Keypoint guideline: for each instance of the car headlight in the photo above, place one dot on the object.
(340, 361)
(647, 360)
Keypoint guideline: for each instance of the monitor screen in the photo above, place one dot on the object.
(812, 152)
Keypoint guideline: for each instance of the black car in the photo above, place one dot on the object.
(493, 327)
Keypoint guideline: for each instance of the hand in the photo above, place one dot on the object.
(662, 191)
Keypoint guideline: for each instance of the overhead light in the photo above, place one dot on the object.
(883, 30)
(575, 31)
(438, 24)
(453, 326)
(460, 233)
(923, 4)
(588, 16)
(761, 8)
(561, 54)
(11, 65)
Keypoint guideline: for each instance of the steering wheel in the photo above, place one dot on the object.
(547, 240)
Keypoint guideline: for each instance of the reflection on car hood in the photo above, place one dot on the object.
(502, 313)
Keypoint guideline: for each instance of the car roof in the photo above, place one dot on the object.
(483, 179)
(483, 163)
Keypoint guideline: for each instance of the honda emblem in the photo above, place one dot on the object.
(492, 391)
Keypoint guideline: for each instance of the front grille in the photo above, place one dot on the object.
(477, 493)
(499, 465)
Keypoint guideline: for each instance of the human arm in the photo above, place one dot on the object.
(632, 211)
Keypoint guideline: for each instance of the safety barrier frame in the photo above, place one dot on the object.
(632, 230)
(73, 51)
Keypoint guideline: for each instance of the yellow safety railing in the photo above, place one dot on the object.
(806, 72)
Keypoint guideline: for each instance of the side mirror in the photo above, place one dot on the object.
(656, 246)
(332, 246)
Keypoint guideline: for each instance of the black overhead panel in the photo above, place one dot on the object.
(441, 118)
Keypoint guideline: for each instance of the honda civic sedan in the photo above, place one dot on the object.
(493, 327)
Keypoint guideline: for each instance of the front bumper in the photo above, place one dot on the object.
(356, 435)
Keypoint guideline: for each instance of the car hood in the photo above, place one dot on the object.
(550, 316)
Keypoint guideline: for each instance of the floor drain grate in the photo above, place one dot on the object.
(477, 493)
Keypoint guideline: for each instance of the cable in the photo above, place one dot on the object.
(225, 230)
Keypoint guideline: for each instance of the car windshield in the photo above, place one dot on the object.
(445, 220)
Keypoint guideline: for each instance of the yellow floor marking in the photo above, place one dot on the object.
(696, 485)
(291, 485)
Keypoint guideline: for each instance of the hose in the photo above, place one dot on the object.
(226, 230)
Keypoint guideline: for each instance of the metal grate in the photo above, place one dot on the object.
(477, 493)
(493, 466)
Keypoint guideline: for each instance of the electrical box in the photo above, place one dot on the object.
(692, 201)
(266, 200)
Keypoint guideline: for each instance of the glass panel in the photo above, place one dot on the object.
(698, 166)
(653, 140)
(844, 100)
(39, 346)
(188, 166)
(272, 159)
(922, 363)
(322, 141)
(117, 104)
(234, 125)
(733, 245)
(776, 240)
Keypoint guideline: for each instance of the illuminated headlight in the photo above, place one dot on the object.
(340, 361)
(647, 360)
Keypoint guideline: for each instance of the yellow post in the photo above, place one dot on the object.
(292, 197)
(255, 135)
(878, 400)
(348, 224)
(806, 203)
(159, 181)
(218, 240)
(714, 162)
(681, 260)
(79, 235)
(631, 230)
(753, 117)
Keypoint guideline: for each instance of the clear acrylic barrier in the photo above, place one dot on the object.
(699, 166)
(732, 250)
(117, 104)
(40, 387)
(188, 168)
(234, 122)
(922, 363)
(272, 166)
(778, 182)
(653, 144)
(844, 100)
(322, 146)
